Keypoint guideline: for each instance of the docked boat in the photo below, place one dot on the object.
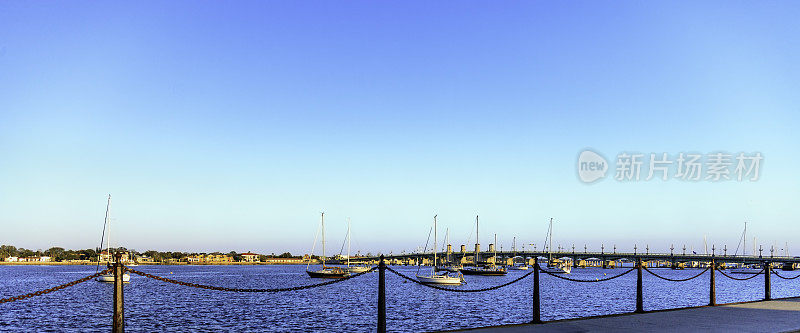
(518, 267)
(746, 268)
(486, 269)
(558, 267)
(449, 268)
(107, 231)
(445, 277)
(356, 268)
(325, 272)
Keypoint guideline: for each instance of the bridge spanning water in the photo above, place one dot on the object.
(596, 259)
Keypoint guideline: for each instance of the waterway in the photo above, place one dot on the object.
(349, 306)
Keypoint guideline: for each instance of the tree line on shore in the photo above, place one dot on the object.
(60, 254)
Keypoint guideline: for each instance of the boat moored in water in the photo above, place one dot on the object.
(107, 226)
(484, 270)
(325, 272)
(445, 277)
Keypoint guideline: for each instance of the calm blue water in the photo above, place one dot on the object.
(349, 306)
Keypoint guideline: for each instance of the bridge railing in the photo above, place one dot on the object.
(118, 269)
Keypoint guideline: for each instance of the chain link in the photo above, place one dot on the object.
(56, 288)
(742, 279)
(595, 280)
(457, 290)
(783, 277)
(245, 290)
(675, 280)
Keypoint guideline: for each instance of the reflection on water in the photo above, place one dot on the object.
(349, 306)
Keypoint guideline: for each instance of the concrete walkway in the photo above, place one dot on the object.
(766, 316)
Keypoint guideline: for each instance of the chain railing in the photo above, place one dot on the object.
(595, 280)
(676, 280)
(247, 290)
(785, 278)
(743, 279)
(56, 288)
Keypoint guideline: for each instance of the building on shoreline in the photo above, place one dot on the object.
(250, 257)
(284, 261)
(209, 258)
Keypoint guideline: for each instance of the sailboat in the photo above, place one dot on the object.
(553, 267)
(107, 223)
(448, 264)
(516, 266)
(489, 270)
(325, 272)
(360, 268)
(746, 269)
(442, 278)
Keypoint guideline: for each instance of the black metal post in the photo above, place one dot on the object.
(639, 296)
(119, 317)
(537, 310)
(767, 281)
(382, 296)
(712, 297)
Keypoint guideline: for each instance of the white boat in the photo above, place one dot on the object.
(325, 272)
(354, 269)
(110, 278)
(560, 267)
(745, 270)
(107, 224)
(441, 278)
(517, 266)
(358, 269)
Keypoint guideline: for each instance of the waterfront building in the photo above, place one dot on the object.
(250, 257)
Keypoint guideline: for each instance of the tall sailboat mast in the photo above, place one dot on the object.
(323, 238)
(348, 242)
(495, 249)
(477, 240)
(108, 223)
(550, 245)
(446, 244)
(435, 243)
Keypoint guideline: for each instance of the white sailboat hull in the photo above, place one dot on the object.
(745, 270)
(564, 269)
(358, 269)
(110, 278)
(440, 279)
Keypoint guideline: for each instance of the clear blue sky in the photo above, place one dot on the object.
(220, 126)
